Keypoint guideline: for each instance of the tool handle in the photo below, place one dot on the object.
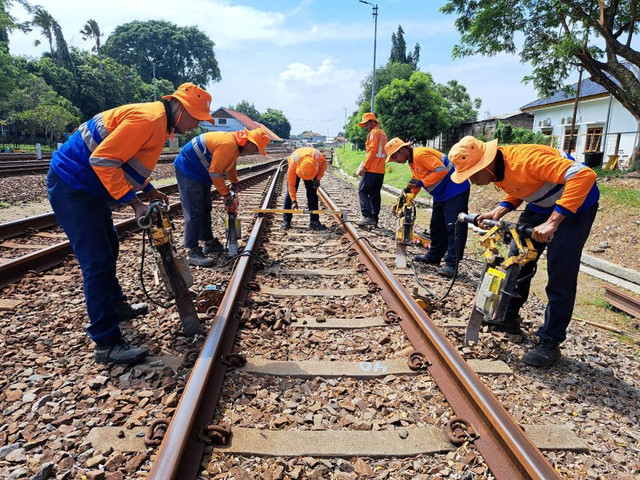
(523, 229)
(156, 206)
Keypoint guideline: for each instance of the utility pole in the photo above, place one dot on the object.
(154, 77)
(374, 9)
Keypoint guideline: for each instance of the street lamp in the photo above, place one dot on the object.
(154, 77)
(374, 9)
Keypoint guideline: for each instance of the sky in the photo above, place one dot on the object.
(305, 57)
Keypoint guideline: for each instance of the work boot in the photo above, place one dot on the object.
(197, 258)
(316, 225)
(510, 326)
(545, 354)
(120, 352)
(447, 271)
(127, 311)
(425, 258)
(367, 222)
(212, 246)
(286, 224)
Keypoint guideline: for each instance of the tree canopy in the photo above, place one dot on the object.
(248, 109)
(399, 50)
(181, 54)
(556, 37)
(277, 122)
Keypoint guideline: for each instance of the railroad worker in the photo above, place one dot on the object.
(372, 171)
(204, 161)
(308, 164)
(431, 170)
(562, 198)
(106, 161)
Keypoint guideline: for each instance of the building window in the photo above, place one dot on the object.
(221, 121)
(569, 141)
(594, 137)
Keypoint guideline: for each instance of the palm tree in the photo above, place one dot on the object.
(46, 23)
(7, 22)
(92, 30)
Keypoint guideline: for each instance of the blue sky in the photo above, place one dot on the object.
(306, 57)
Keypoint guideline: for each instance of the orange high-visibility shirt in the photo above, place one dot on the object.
(542, 176)
(224, 155)
(293, 161)
(375, 157)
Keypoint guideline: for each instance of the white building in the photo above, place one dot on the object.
(602, 123)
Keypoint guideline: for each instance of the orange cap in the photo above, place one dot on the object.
(307, 168)
(195, 100)
(259, 138)
(471, 155)
(366, 117)
(393, 146)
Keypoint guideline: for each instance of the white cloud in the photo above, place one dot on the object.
(325, 74)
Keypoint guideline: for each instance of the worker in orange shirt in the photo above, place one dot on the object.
(204, 161)
(308, 164)
(562, 198)
(372, 171)
(108, 160)
(431, 170)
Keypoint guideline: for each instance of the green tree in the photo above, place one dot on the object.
(8, 22)
(50, 121)
(277, 122)
(182, 54)
(413, 109)
(92, 30)
(399, 50)
(45, 22)
(508, 134)
(556, 37)
(461, 108)
(249, 110)
(8, 72)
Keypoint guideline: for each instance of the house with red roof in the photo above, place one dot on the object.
(228, 120)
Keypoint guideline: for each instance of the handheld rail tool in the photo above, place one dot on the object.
(499, 276)
(405, 210)
(232, 227)
(171, 268)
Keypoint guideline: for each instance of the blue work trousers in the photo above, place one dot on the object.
(312, 200)
(88, 224)
(447, 239)
(369, 193)
(196, 208)
(563, 264)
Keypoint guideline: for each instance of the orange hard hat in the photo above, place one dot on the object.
(471, 155)
(307, 168)
(393, 146)
(366, 117)
(259, 138)
(195, 100)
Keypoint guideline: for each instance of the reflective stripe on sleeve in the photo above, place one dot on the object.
(104, 162)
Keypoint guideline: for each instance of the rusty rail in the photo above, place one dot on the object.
(181, 451)
(622, 301)
(47, 257)
(509, 453)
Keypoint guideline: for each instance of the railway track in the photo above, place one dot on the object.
(286, 286)
(326, 375)
(46, 242)
(13, 164)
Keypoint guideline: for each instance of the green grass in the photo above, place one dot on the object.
(627, 197)
(349, 161)
(25, 148)
(609, 173)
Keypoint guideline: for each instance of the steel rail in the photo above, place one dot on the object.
(46, 220)
(509, 453)
(181, 451)
(47, 257)
(622, 301)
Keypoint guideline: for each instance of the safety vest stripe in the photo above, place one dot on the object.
(446, 166)
(135, 183)
(134, 177)
(201, 151)
(138, 167)
(100, 127)
(550, 193)
(87, 137)
(104, 162)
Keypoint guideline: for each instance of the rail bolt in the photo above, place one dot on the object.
(417, 361)
(391, 317)
(217, 434)
(189, 358)
(156, 432)
(460, 431)
(234, 360)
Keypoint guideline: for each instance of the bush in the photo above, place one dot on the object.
(508, 134)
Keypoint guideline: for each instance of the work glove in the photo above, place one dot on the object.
(413, 184)
(316, 183)
(294, 205)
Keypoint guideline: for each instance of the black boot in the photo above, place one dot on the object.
(509, 325)
(127, 311)
(212, 246)
(425, 258)
(120, 352)
(197, 258)
(286, 224)
(316, 225)
(545, 354)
